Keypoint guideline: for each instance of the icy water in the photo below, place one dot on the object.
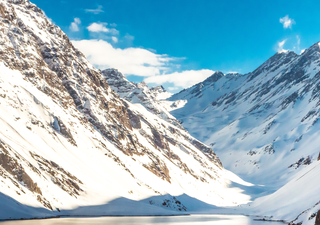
(170, 220)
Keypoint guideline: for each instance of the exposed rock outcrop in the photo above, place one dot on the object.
(317, 222)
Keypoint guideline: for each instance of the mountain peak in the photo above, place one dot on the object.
(276, 61)
(159, 88)
(283, 51)
(142, 85)
(214, 77)
(113, 73)
(117, 81)
(313, 52)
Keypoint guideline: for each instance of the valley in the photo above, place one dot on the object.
(79, 141)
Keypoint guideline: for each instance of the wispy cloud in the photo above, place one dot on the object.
(130, 61)
(182, 79)
(129, 37)
(95, 11)
(287, 22)
(114, 39)
(298, 43)
(74, 25)
(280, 45)
(101, 27)
(292, 44)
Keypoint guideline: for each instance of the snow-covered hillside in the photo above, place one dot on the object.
(141, 94)
(70, 145)
(265, 127)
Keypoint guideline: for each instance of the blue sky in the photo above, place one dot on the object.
(179, 43)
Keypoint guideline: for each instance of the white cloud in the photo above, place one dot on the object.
(302, 51)
(287, 22)
(77, 20)
(280, 45)
(130, 61)
(129, 37)
(156, 68)
(95, 11)
(182, 79)
(113, 24)
(114, 31)
(98, 27)
(101, 27)
(74, 25)
(114, 39)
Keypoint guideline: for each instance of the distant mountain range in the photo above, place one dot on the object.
(265, 127)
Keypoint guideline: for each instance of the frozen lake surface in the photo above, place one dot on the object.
(172, 220)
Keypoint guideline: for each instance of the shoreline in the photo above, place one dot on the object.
(97, 216)
(268, 220)
(89, 216)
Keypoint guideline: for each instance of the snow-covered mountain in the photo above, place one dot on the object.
(141, 94)
(265, 127)
(78, 141)
(70, 145)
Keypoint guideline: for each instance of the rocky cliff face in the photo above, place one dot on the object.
(67, 139)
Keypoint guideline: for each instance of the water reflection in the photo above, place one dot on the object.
(172, 220)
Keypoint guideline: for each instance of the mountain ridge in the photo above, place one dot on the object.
(140, 93)
(264, 126)
(68, 140)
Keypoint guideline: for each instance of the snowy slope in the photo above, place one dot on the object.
(295, 202)
(198, 96)
(141, 94)
(264, 126)
(70, 145)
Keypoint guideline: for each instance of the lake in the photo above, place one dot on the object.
(172, 220)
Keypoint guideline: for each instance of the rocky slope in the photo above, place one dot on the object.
(141, 94)
(70, 145)
(264, 126)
